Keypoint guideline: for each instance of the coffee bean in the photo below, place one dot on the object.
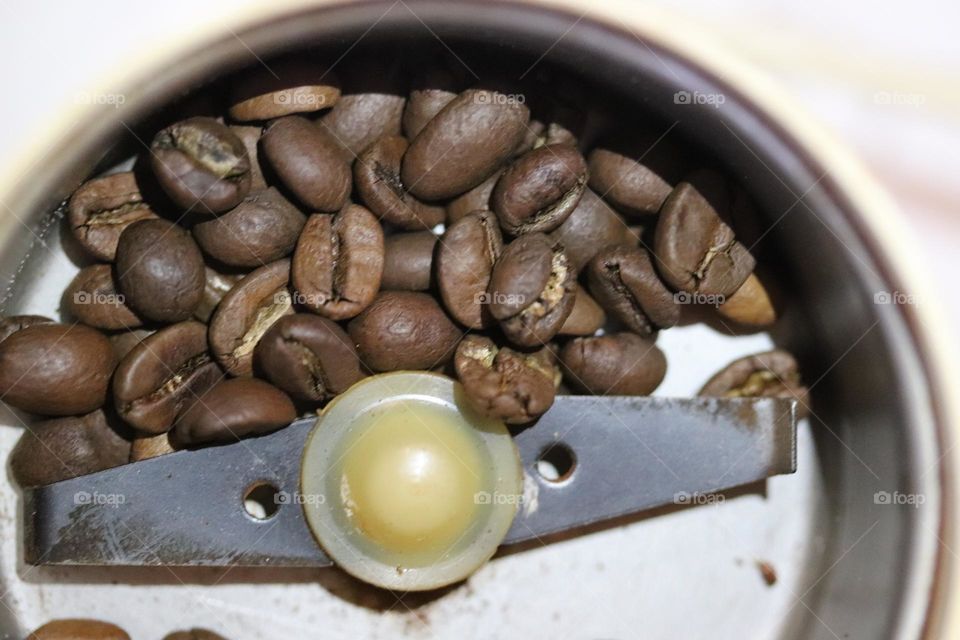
(338, 262)
(540, 135)
(404, 330)
(408, 261)
(308, 162)
(532, 289)
(160, 270)
(467, 141)
(124, 341)
(216, 285)
(377, 176)
(146, 447)
(771, 374)
(12, 324)
(422, 106)
(309, 357)
(622, 364)
(64, 448)
(201, 165)
(750, 305)
(56, 369)
(246, 313)
(591, 226)
(194, 634)
(468, 250)
(261, 229)
(586, 317)
(505, 384)
(358, 120)
(92, 298)
(250, 137)
(630, 185)
(163, 375)
(623, 280)
(540, 189)
(476, 199)
(287, 87)
(102, 208)
(78, 629)
(233, 409)
(695, 250)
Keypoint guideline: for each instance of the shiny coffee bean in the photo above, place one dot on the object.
(532, 289)
(56, 369)
(93, 299)
(287, 87)
(404, 330)
(476, 199)
(467, 141)
(408, 261)
(696, 251)
(628, 184)
(163, 375)
(78, 629)
(250, 137)
(750, 305)
(309, 357)
(102, 208)
(623, 280)
(586, 317)
(64, 448)
(261, 229)
(540, 189)
(146, 447)
(124, 341)
(619, 364)
(772, 374)
(377, 176)
(201, 165)
(308, 162)
(468, 250)
(160, 271)
(505, 384)
(338, 262)
(193, 634)
(246, 313)
(359, 119)
(233, 409)
(591, 226)
(12, 324)
(216, 285)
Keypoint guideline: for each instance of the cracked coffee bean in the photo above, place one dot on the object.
(102, 208)
(232, 409)
(623, 280)
(93, 299)
(772, 374)
(619, 364)
(408, 261)
(468, 250)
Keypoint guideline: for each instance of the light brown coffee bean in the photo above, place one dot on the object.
(78, 629)
(146, 447)
(750, 305)
(287, 87)
(102, 208)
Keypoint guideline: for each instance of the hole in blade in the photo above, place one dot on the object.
(556, 463)
(261, 501)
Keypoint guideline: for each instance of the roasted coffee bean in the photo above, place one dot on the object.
(467, 141)
(772, 374)
(408, 261)
(233, 409)
(505, 384)
(78, 629)
(404, 330)
(250, 137)
(623, 280)
(422, 106)
(377, 176)
(338, 262)
(309, 357)
(620, 364)
(475, 199)
(194, 634)
(261, 229)
(287, 87)
(92, 298)
(160, 270)
(468, 250)
(532, 289)
(56, 369)
(308, 162)
(246, 313)
(12, 324)
(64, 448)
(695, 250)
(146, 447)
(163, 375)
(102, 208)
(216, 285)
(591, 226)
(540, 135)
(586, 317)
(125, 340)
(631, 186)
(359, 119)
(201, 165)
(750, 305)
(540, 189)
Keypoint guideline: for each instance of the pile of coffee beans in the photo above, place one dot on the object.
(258, 261)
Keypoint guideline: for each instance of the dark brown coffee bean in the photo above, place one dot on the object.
(233, 409)
(467, 141)
(750, 305)
(468, 250)
(624, 282)
(591, 226)
(309, 162)
(92, 298)
(309, 357)
(532, 289)
(619, 364)
(422, 106)
(124, 341)
(505, 384)
(216, 285)
(377, 175)
(408, 261)
(772, 374)
(287, 87)
(201, 165)
(359, 119)
(12, 324)
(56, 369)
(586, 317)
(261, 229)
(78, 629)
(163, 375)
(194, 634)
(628, 184)
(696, 251)
(540, 189)
(404, 330)
(246, 313)
(146, 447)
(250, 137)
(476, 199)
(102, 208)
(338, 262)
(160, 270)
